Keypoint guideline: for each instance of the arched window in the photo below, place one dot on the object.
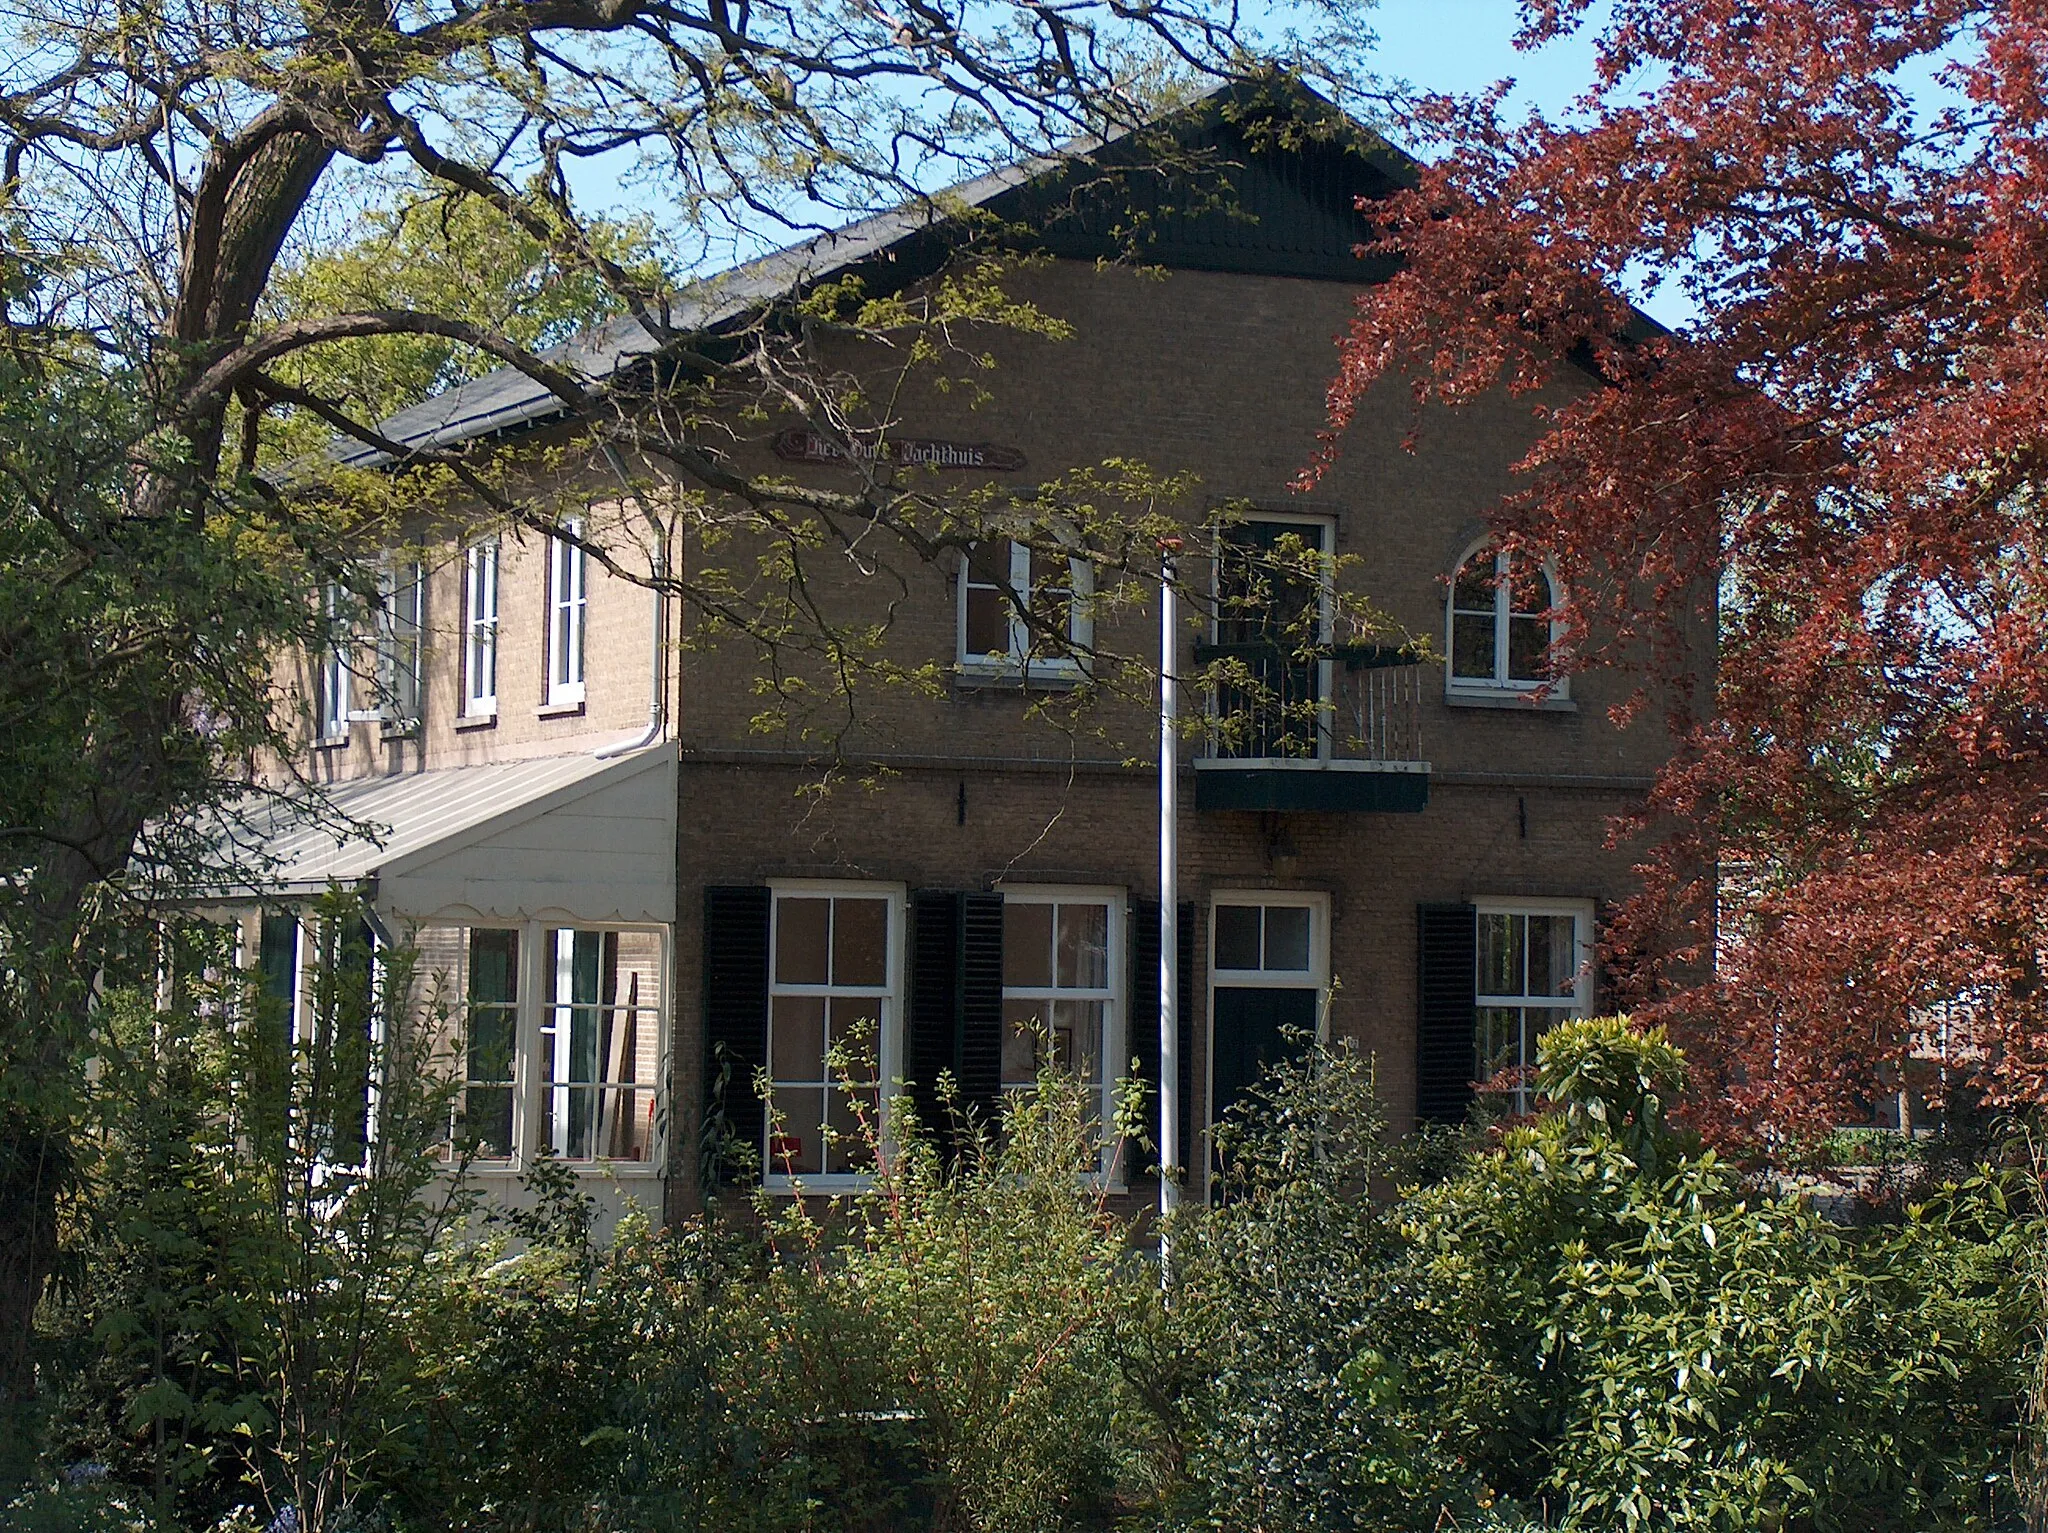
(1500, 628)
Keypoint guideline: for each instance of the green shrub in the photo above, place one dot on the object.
(1589, 1322)
(1595, 1324)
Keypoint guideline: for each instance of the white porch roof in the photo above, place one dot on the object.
(567, 837)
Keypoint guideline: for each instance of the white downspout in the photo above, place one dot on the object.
(657, 681)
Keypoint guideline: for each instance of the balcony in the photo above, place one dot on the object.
(1335, 731)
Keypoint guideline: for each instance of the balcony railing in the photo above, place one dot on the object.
(1342, 703)
(1335, 729)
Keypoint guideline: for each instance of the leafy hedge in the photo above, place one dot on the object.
(1587, 1322)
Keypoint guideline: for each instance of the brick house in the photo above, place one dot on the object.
(643, 901)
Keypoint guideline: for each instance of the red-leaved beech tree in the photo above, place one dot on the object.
(1846, 890)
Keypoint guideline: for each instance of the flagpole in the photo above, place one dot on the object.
(1169, 907)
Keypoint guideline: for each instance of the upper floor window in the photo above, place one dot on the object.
(1023, 611)
(568, 601)
(1273, 599)
(331, 683)
(480, 632)
(1500, 623)
(401, 621)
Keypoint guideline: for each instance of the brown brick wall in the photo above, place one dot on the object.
(1220, 375)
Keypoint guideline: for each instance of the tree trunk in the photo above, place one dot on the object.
(228, 261)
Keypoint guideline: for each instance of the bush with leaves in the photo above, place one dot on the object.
(1609, 1327)
(266, 1207)
(1595, 1323)
(1591, 1323)
(936, 1351)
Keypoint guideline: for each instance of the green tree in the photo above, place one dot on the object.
(155, 171)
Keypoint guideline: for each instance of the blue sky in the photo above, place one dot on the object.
(1466, 45)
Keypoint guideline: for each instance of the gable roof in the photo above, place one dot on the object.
(1293, 212)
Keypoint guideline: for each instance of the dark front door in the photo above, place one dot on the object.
(1248, 1036)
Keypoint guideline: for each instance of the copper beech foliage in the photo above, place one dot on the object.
(1845, 447)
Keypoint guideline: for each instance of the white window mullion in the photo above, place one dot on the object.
(1503, 609)
(526, 1055)
(561, 1025)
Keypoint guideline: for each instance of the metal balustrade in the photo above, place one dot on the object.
(1346, 703)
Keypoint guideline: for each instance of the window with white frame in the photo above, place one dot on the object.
(322, 978)
(1023, 611)
(401, 622)
(833, 1009)
(480, 631)
(568, 602)
(1061, 983)
(559, 1039)
(1534, 970)
(1269, 957)
(1273, 583)
(1500, 623)
(331, 682)
(597, 1044)
(490, 1043)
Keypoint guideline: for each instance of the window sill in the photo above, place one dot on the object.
(476, 721)
(562, 710)
(1037, 678)
(1505, 697)
(624, 1170)
(840, 1185)
(402, 729)
(331, 743)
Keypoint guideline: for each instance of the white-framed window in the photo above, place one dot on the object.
(1535, 968)
(1270, 614)
(835, 981)
(1499, 623)
(1062, 989)
(401, 622)
(480, 631)
(1275, 937)
(598, 1034)
(568, 603)
(1269, 971)
(324, 1029)
(331, 682)
(1003, 579)
(490, 1042)
(558, 1041)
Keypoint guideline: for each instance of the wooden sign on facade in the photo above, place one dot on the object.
(798, 445)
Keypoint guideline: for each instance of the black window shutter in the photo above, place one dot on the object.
(1142, 1029)
(933, 1044)
(1141, 1025)
(1184, 1015)
(1608, 979)
(1446, 1020)
(981, 1005)
(736, 1006)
